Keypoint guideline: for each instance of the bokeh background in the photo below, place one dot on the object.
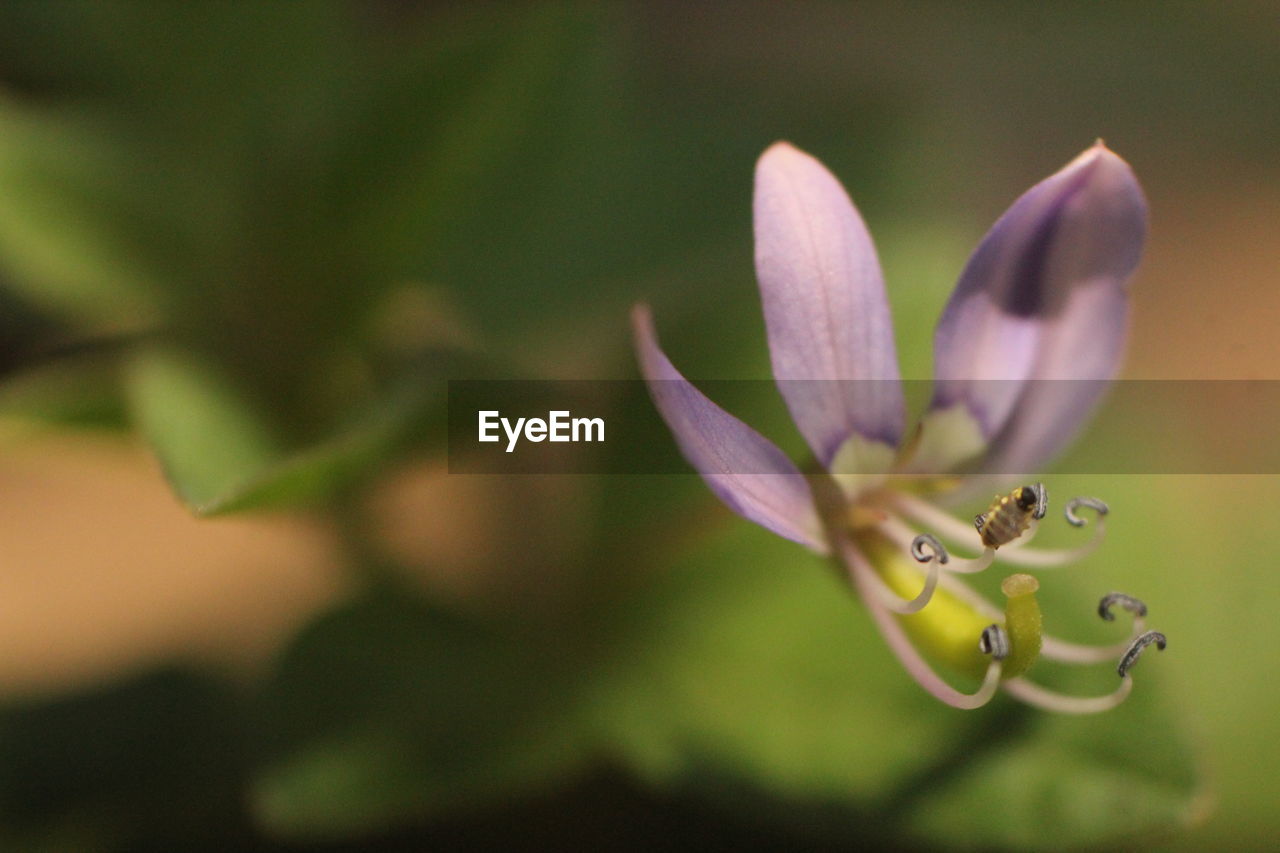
(244, 245)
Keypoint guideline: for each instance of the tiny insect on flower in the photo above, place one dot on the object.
(1043, 298)
(1010, 515)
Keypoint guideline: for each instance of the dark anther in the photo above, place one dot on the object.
(994, 641)
(1042, 501)
(1128, 602)
(1075, 503)
(938, 551)
(1135, 649)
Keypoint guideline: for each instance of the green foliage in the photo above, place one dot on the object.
(256, 184)
(75, 218)
(208, 440)
(390, 710)
(221, 453)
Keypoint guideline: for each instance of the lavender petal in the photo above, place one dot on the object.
(745, 470)
(824, 306)
(1043, 298)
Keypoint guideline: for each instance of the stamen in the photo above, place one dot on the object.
(1033, 694)
(1067, 652)
(900, 534)
(939, 552)
(962, 591)
(1042, 501)
(1049, 700)
(960, 566)
(898, 604)
(995, 642)
(1063, 651)
(941, 522)
(934, 558)
(1128, 602)
(895, 635)
(1092, 503)
(1135, 651)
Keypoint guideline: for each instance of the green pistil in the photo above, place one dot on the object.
(1022, 622)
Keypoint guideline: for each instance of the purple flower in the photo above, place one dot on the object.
(1043, 298)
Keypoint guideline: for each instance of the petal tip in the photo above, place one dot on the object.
(783, 156)
(644, 338)
(1101, 178)
(1100, 155)
(1114, 173)
(641, 317)
(1090, 156)
(780, 148)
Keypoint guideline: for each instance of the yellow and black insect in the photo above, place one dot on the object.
(1009, 515)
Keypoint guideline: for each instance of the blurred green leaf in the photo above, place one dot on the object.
(77, 393)
(210, 442)
(755, 678)
(254, 179)
(221, 454)
(389, 710)
(450, 118)
(73, 218)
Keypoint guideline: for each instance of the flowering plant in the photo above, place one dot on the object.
(1042, 299)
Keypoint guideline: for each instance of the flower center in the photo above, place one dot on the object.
(910, 579)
